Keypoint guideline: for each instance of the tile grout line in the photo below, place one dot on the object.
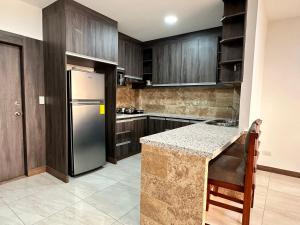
(262, 222)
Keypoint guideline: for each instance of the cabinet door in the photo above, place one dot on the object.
(156, 125)
(190, 61)
(80, 33)
(208, 47)
(129, 59)
(176, 123)
(121, 53)
(161, 64)
(137, 60)
(140, 130)
(175, 54)
(106, 40)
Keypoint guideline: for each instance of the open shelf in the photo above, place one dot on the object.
(232, 61)
(233, 17)
(232, 40)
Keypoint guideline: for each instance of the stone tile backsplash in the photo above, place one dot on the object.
(187, 101)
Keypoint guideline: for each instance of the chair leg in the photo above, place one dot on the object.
(246, 208)
(207, 197)
(252, 199)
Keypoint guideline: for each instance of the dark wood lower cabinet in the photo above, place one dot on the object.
(176, 123)
(156, 125)
(128, 134)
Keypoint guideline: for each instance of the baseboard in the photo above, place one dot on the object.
(57, 174)
(279, 171)
(36, 171)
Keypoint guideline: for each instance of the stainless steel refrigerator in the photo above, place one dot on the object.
(86, 92)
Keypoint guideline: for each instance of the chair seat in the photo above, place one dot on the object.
(227, 169)
(236, 150)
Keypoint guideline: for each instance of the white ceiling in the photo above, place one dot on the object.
(278, 9)
(144, 19)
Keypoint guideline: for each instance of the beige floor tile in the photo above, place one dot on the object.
(286, 204)
(8, 217)
(131, 218)
(79, 214)
(277, 218)
(38, 206)
(285, 184)
(87, 185)
(262, 178)
(116, 201)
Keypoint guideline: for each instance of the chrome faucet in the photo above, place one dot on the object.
(234, 115)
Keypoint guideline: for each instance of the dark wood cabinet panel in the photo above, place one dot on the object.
(190, 61)
(161, 64)
(128, 134)
(80, 33)
(156, 125)
(106, 41)
(176, 123)
(140, 130)
(185, 59)
(130, 56)
(175, 65)
(90, 34)
(208, 51)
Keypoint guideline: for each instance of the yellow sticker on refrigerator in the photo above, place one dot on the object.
(102, 110)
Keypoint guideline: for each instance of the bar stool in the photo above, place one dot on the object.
(236, 172)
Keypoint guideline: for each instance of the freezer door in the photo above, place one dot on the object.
(88, 138)
(86, 85)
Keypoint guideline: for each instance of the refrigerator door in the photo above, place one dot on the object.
(86, 85)
(88, 138)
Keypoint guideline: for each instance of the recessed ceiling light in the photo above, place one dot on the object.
(171, 19)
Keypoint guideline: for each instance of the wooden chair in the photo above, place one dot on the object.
(237, 174)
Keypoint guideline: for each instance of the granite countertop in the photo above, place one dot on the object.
(175, 116)
(198, 139)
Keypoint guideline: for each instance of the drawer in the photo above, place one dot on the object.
(123, 150)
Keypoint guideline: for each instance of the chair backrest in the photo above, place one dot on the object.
(252, 152)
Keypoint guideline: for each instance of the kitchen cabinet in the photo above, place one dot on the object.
(128, 134)
(140, 130)
(156, 125)
(189, 59)
(91, 34)
(167, 63)
(176, 123)
(130, 56)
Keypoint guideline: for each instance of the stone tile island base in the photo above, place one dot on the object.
(173, 188)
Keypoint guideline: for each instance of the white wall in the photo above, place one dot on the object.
(281, 96)
(258, 63)
(257, 25)
(246, 89)
(21, 18)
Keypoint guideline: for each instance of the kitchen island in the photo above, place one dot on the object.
(174, 172)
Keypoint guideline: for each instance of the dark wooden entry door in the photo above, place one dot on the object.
(11, 123)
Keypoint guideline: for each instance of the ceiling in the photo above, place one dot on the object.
(278, 9)
(144, 19)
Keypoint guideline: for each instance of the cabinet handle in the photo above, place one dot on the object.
(123, 143)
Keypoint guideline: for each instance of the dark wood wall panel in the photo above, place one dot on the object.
(55, 88)
(34, 112)
(33, 87)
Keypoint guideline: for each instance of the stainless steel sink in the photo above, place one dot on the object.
(223, 123)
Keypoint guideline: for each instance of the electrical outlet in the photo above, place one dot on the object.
(267, 153)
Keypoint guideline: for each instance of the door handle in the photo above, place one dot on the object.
(18, 114)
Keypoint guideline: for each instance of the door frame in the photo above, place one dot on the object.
(16, 42)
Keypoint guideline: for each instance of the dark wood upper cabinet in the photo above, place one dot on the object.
(187, 59)
(130, 56)
(90, 34)
(190, 61)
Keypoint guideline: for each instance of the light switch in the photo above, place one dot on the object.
(42, 100)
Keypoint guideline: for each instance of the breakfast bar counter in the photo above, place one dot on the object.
(174, 172)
